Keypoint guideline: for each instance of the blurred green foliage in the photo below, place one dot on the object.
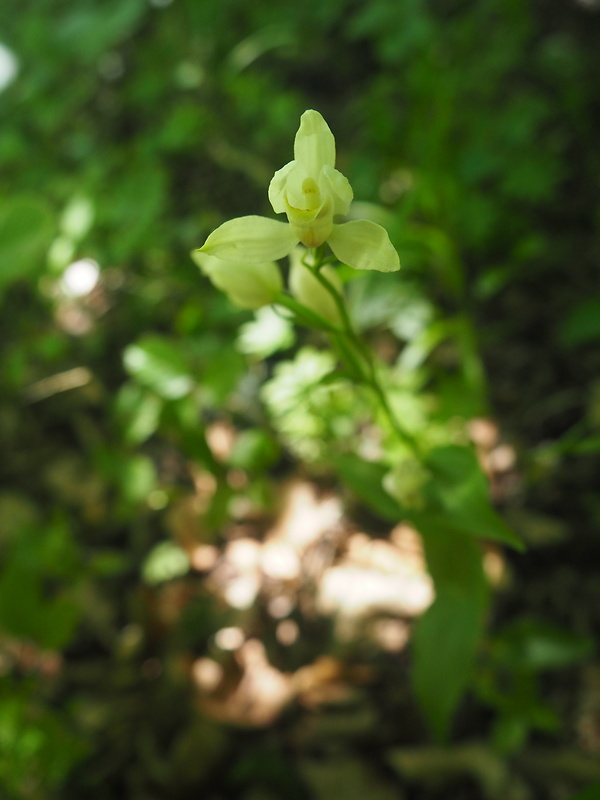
(130, 130)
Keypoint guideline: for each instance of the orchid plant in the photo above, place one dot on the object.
(239, 256)
(441, 490)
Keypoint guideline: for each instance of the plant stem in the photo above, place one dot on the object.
(365, 356)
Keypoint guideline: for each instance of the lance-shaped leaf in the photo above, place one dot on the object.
(447, 635)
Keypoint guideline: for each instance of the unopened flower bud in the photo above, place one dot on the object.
(307, 289)
(248, 286)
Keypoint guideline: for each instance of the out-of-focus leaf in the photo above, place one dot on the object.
(446, 636)
(38, 743)
(589, 793)
(134, 206)
(195, 751)
(254, 450)
(461, 489)
(107, 563)
(25, 609)
(537, 645)
(582, 325)
(25, 233)
(189, 429)
(268, 333)
(17, 512)
(77, 218)
(587, 446)
(219, 376)
(137, 478)
(344, 777)
(164, 562)
(365, 480)
(158, 363)
(88, 29)
(140, 411)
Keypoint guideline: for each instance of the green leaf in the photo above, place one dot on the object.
(89, 29)
(137, 479)
(220, 376)
(589, 793)
(139, 410)
(461, 492)
(27, 609)
(77, 218)
(164, 562)
(582, 325)
(365, 479)
(447, 635)
(158, 364)
(536, 645)
(267, 333)
(25, 232)
(134, 205)
(254, 450)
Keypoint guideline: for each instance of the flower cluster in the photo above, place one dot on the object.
(312, 193)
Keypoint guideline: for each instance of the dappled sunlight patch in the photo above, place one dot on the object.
(354, 593)
(306, 565)
(305, 515)
(278, 577)
(207, 674)
(374, 577)
(249, 691)
(236, 578)
(280, 561)
(220, 437)
(287, 632)
(231, 638)
(257, 691)
(497, 458)
(280, 606)
(390, 634)
(204, 557)
(495, 567)
(328, 680)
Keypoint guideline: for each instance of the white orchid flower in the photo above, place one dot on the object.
(312, 193)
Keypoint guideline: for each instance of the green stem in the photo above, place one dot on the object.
(363, 353)
(304, 315)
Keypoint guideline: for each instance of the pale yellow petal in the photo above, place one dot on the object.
(338, 188)
(314, 146)
(277, 187)
(363, 244)
(251, 240)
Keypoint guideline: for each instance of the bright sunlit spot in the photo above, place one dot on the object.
(80, 277)
(229, 638)
(9, 67)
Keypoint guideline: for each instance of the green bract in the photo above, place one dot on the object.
(312, 193)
